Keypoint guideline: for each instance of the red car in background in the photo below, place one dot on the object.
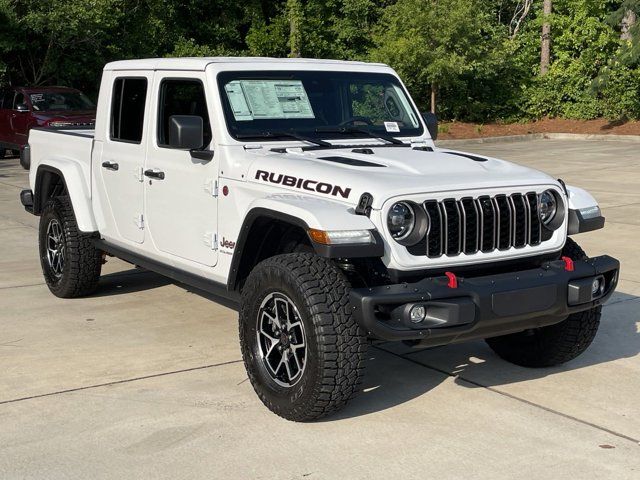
(22, 108)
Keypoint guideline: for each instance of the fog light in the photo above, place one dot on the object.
(417, 313)
(597, 286)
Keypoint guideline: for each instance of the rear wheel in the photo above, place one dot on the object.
(70, 263)
(303, 351)
(555, 344)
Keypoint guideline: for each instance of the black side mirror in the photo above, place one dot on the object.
(432, 124)
(22, 107)
(186, 132)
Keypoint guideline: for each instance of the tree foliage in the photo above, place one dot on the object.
(482, 57)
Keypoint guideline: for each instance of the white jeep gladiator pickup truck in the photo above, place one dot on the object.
(311, 194)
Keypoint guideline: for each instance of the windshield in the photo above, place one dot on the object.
(314, 104)
(48, 101)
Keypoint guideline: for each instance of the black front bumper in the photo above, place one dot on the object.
(482, 307)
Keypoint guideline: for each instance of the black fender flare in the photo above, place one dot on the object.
(375, 250)
(39, 186)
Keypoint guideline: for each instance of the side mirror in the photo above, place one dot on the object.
(432, 124)
(186, 132)
(21, 107)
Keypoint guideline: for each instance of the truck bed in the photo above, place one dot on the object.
(61, 147)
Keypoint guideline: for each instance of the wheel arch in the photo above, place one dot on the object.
(64, 177)
(266, 232)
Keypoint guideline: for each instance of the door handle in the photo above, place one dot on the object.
(110, 165)
(153, 173)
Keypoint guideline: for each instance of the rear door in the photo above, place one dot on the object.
(6, 100)
(19, 121)
(181, 208)
(118, 163)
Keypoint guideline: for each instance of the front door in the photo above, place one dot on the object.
(181, 207)
(118, 162)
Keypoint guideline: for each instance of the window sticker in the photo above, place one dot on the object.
(268, 99)
(391, 126)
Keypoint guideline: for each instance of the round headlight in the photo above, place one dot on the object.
(401, 220)
(548, 207)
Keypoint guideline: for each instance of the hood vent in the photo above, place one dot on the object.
(475, 158)
(350, 161)
(364, 151)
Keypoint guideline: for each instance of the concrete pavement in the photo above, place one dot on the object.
(144, 378)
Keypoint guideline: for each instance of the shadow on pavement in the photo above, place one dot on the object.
(391, 380)
(396, 374)
(129, 281)
(139, 279)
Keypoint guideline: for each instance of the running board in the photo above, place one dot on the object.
(231, 299)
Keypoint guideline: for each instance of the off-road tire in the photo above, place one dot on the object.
(82, 261)
(554, 344)
(336, 344)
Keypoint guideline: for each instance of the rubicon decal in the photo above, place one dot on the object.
(303, 184)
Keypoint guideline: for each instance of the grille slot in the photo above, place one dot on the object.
(483, 224)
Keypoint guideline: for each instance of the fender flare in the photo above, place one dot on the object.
(584, 212)
(374, 250)
(75, 183)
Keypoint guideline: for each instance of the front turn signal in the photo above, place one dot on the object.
(341, 237)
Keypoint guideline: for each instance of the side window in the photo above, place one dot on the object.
(127, 109)
(17, 100)
(181, 97)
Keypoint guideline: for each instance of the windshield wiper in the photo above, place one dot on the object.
(371, 134)
(276, 134)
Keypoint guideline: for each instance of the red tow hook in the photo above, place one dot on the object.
(568, 264)
(453, 280)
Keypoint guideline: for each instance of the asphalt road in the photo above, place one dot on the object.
(144, 378)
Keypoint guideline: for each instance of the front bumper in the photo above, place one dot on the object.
(467, 308)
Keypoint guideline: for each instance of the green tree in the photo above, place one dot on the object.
(433, 44)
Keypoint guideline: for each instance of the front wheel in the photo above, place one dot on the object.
(554, 344)
(303, 351)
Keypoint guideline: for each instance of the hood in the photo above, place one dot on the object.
(385, 172)
(66, 115)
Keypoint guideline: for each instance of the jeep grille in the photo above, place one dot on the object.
(483, 224)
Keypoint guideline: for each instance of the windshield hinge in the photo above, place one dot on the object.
(364, 204)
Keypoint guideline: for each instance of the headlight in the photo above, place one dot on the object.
(400, 220)
(547, 207)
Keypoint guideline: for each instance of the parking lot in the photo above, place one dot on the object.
(144, 379)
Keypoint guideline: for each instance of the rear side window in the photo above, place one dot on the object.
(18, 100)
(127, 109)
(182, 97)
(3, 95)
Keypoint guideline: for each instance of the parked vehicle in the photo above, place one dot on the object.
(311, 193)
(23, 108)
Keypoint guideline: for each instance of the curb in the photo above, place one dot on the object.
(540, 136)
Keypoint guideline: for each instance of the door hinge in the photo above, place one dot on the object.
(211, 187)
(139, 174)
(139, 220)
(211, 240)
